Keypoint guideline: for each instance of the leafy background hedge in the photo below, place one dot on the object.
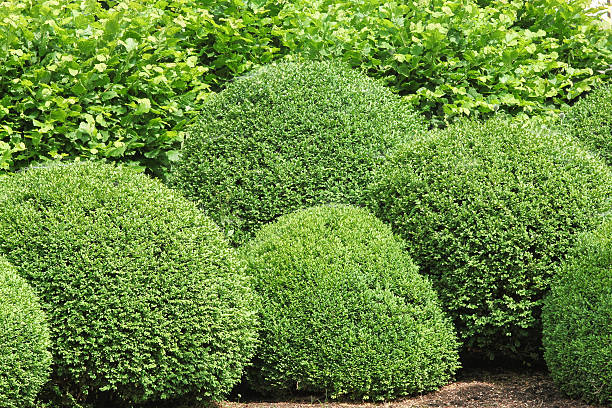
(461, 57)
(119, 82)
(122, 80)
(145, 298)
(577, 320)
(488, 210)
(344, 310)
(25, 359)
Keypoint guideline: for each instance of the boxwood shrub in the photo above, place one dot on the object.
(577, 321)
(344, 310)
(146, 299)
(24, 341)
(488, 210)
(590, 120)
(288, 136)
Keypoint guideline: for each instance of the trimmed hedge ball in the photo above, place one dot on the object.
(289, 136)
(344, 310)
(577, 321)
(146, 299)
(590, 121)
(25, 359)
(488, 210)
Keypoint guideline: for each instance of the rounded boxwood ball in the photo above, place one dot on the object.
(344, 310)
(577, 321)
(590, 121)
(488, 210)
(25, 359)
(289, 136)
(146, 299)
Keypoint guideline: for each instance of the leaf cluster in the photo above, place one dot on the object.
(344, 310)
(488, 211)
(145, 298)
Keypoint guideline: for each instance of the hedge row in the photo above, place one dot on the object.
(121, 80)
(487, 210)
(147, 301)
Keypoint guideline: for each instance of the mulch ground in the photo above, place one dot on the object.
(473, 389)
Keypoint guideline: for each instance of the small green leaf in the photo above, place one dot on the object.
(144, 106)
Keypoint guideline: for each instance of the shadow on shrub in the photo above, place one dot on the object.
(590, 121)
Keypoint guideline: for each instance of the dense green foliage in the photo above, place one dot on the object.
(120, 83)
(289, 136)
(344, 310)
(488, 210)
(120, 80)
(460, 57)
(577, 321)
(145, 298)
(590, 120)
(24, 341)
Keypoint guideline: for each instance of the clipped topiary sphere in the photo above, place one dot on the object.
(146, 299)
(577, 321)
(590, 121)
(488, 210)
(289, 136)
(345, 311)
(25, 359)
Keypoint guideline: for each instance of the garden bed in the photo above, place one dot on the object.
(473, 389)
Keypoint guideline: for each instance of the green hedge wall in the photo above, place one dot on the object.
(121, 80)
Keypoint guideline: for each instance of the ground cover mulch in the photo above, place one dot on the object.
(473, 389)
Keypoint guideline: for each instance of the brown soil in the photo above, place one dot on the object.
(473, 389)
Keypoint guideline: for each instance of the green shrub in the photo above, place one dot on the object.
(345, 311)
(488, 210)
(590, 120)
(119, 82)
(146, 300)
(460, 57)
(24, 341)
(577, 321)
(285, 137)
